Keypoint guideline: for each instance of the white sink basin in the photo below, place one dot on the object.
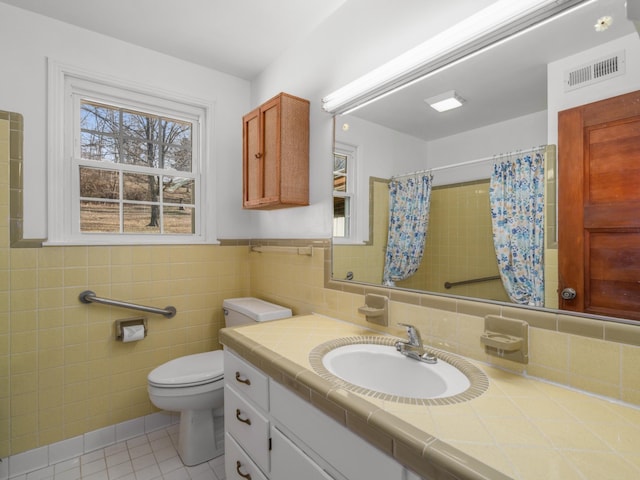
(383, 369)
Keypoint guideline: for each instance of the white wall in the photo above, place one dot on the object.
(28, 40)
(520, 133)
(360, 36)
(381, 152)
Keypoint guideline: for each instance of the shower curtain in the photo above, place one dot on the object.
(409, 198)
(516, 194)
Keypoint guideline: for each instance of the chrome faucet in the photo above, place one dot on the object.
(414, 347)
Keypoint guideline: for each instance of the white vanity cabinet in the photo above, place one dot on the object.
(272, 434)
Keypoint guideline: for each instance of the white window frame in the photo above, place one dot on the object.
(351, 193)
(67, 86)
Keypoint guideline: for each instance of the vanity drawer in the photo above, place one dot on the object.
(246, 379)
(248, 426)
(237, 464)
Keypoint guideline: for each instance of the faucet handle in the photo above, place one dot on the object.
(413, 333)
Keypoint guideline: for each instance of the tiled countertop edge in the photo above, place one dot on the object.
(413, 448)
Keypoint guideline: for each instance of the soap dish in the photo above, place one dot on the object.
(376, 309)
(501, 341)
(506, 338)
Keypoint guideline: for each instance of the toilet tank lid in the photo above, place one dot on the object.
(257, 309)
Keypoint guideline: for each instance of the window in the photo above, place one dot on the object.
(344, 186)
(135, 172)
(128, 167)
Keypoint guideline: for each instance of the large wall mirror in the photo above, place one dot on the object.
(511, 94)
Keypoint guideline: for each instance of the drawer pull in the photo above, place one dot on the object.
(243, 420)
(243, 475)
(246, 381)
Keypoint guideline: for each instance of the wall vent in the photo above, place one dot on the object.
(596, 71)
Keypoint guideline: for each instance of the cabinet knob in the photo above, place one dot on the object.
(243, 475)
(246, 381)
(258, 155)
(243, 420)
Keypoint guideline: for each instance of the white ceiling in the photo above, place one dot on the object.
(239, 37)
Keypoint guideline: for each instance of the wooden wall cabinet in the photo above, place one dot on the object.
(275, 154)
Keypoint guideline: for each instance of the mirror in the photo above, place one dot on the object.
(512, 93)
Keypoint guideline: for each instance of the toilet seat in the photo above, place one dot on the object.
(188, 371)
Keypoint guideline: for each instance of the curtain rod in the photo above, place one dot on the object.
(480, 160)
(411, 173)
(471, 162)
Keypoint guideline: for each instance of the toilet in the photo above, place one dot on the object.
(193, 385)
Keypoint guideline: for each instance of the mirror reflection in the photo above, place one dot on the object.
(465, 164)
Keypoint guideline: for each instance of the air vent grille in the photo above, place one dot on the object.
(596, 71)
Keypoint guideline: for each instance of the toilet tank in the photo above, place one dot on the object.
(241, 311)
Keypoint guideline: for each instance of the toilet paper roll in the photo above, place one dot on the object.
(132, 333)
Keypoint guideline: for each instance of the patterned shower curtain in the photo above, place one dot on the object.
(516, 193)
(409, 199)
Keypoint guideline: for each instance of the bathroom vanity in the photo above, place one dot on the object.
(284, 421)
(272, 433)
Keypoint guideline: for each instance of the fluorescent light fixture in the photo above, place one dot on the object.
(445, 101)
(490, 25)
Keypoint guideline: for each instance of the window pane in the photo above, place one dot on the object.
(140, 187)
(179, 220)
(99, 118)
(141, 218)
(139, 153)
(98, 183)
(99, 217)
(176, 132)
(340, 165)
(178, 190)
(340, 219)
(138, 125)
(94, 146)
(177, 158)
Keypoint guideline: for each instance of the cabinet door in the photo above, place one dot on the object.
(271, 131)
(342, 449)
(288, 462)
(252, 158)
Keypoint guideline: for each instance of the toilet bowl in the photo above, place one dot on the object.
(193, 385)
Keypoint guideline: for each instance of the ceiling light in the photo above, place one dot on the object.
(445, 101)
(497, 22)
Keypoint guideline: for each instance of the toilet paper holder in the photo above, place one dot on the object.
(129, 322)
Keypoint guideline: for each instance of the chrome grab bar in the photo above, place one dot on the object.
(473, 280)
(89, 297)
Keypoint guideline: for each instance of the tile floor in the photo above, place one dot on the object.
(146, 457)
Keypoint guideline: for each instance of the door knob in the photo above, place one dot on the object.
(568, 294)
